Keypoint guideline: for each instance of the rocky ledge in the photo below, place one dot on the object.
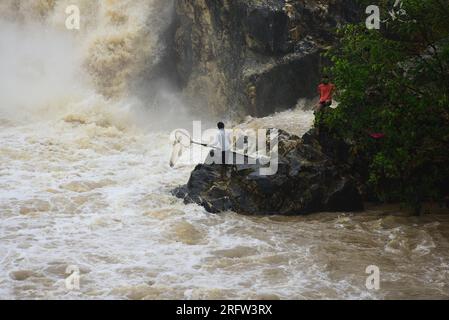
(308, 180)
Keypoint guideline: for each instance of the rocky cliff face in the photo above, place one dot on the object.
(253, 56)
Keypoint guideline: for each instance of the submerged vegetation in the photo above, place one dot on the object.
(394, 100)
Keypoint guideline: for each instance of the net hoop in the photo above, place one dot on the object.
(180, 137)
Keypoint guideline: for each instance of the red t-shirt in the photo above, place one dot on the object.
(325, 91)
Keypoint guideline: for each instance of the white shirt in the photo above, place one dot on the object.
(222, 140)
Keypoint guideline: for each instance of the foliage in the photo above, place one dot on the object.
(395, 81)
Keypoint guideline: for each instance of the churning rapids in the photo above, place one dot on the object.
(84, 182)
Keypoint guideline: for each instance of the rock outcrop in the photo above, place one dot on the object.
(242, 57)
(307, 181)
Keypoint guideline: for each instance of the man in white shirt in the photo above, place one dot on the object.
(223, 142)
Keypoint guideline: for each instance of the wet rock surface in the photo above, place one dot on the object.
(308, 180)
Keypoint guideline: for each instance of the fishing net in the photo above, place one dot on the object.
(183, 138)
(181, 141)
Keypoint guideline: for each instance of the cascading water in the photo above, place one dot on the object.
(84, 182)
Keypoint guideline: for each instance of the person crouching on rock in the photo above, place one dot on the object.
(223, 142)
(326, 90)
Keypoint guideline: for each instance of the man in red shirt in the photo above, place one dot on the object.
(326, 91)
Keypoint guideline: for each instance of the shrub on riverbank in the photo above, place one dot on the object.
(393, 88)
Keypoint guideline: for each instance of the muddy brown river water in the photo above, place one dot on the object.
(98, 198)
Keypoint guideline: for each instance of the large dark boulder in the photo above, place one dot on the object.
(307, 181)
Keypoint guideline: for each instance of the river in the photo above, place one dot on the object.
(85, 182)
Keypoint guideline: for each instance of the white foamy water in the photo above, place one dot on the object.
(99, 198)
(83, 182)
